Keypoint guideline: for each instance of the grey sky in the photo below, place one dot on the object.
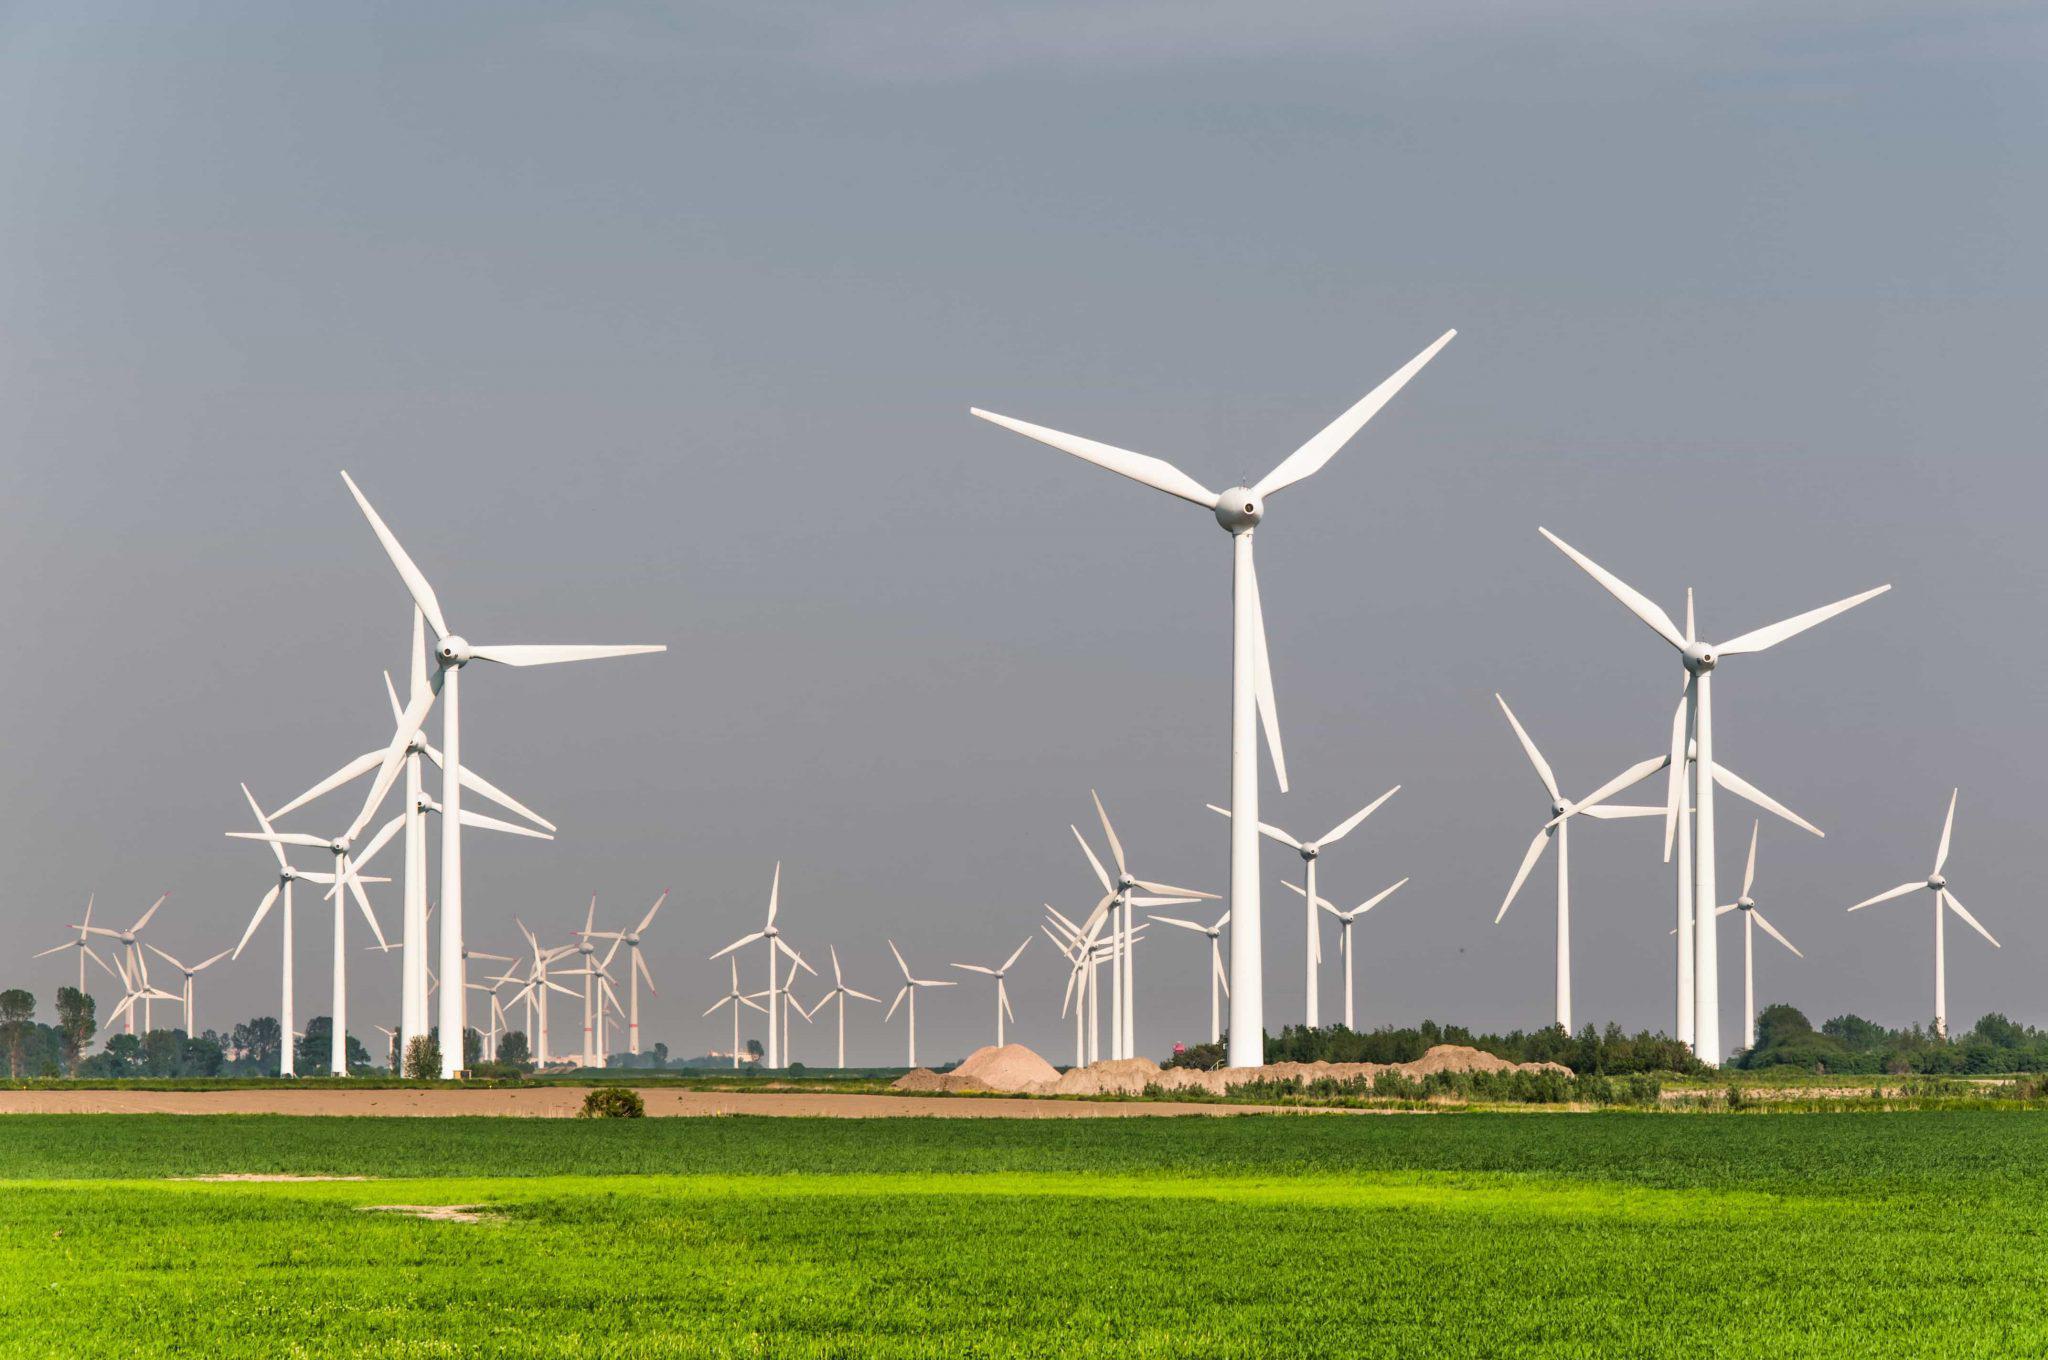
(661, 323)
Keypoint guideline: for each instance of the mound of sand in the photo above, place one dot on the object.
(923, 1079)
(1013, 1067)
(1130, 1076)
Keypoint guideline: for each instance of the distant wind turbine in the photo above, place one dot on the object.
(1002, 993)
(909, 989)
(1219, 977)
(1944, 902)
(1345, 921)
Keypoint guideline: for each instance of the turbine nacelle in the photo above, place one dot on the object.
(1239, 508)
(1746, 902)
(1935, 882)
(453, 650)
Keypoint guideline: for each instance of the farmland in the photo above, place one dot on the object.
(1504, 1234)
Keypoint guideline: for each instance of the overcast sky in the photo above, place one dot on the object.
(660, 324)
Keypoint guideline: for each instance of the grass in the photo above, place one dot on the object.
(1296, 1235)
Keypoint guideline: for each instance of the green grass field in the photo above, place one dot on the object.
(1466, 1235)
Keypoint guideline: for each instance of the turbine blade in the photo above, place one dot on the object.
(1156, 473)
(476, 783)
(1116, 847)
(1888, 895)
(1776, 633)
(741, 943)
(1262, 678)
(1522, 875)
(1948, 826)
(1309, 459)
(1168, 890)
(1177, 921)
(1772, 931)
(891, 1014)
(775, 892)
(1631, 599)
(1015, 955)
(975, 968)
(393, 759)
(483, 822)
(147, 914)
(1677, 760)
(355, 887)
(548, 654)
(415, 580)
(1627, 779)
(1958, 909)
(1742, 788)
(1101, 873)
(1617, 811)
(648, 919)
(1529, 749)
(899, 960)
(1350, 824)
(281, 838)
(1749, 873)
(1265, 829)
(1369, 903)
(355, 769)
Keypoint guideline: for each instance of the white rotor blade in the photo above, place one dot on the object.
(415, 580)
(165, 955)
(1637, 603)
(1168, 890)
(975, 968)
(1116, 847)
(1262, 679)
(1749, 873)
(1529, 859)
(488, 823)
(261, 820)
(1957, 908)
(1676, 762)
(899, 960)
(147, 914)
(775, 893)
(648, 919)
(1948, 826)
(1529, 749)
(377, 842)
(646, 973)
(393, 759)
(1222, 973)
(1093, 863)
(281, 838)
(355, 887)
(1019, 953)
(547, 654)
(262, 910)
(1369, 903)
(1156, 473)
(1742, 788)
(1889, 894)
(476, 783)
(1309, 459)
(1772, 931)
(1776, 633)
(1627, 779)
(355, 769)
(901, 993)
(741, 943)
(1177, 921)
(1350, 824)
(1265, 829)
(1300, 891)
(1616, 811)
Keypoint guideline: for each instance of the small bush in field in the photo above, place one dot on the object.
(612, 1102)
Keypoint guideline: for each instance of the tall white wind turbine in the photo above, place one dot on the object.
(776, 946)
(1751, 919)
(1700, 660)
(452, 652)
(1218, 977)
(279, 891)
(636, 969)
(1067, 939)
(135, 987)
(909, 989)
(538, 985)
(1944, 902)
(1345, 921)
(83, 944)
(134, 968)
(191, 1011)
(1002, 992)
(1310, 852)
(1558, 829)
(840, 991)
(1239, 510)
(736, 999)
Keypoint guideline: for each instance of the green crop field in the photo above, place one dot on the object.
(1467, 1235)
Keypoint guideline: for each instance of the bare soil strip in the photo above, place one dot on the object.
(562, 1102)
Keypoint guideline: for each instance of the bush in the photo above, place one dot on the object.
(423, 1057)
(612, 1102)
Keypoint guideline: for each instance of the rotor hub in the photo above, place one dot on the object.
(1746, 903)
(1557, 809)
(1936, 882)
(1311, 850)
(1700, 658)
(453, 650)
(1238, 509)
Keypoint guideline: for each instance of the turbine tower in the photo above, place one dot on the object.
(452, 652)
(1002, 992)
(1700, 660)
(1310, 851)
(1238, 510)
(1944, 902)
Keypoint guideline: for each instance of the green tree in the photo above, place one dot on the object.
(472, 1048)
(17, 1017)
(423, 1056)
(76, 1021)
(513, 1049)
(161, 1049)
(123, 1055)
(257, 1046)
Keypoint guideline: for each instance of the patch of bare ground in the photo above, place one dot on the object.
(436, 1213)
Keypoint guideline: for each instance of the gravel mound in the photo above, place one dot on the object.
(923, 1079)
(1130, 1076)
(1013, 1067)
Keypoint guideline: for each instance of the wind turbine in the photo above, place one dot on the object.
(636, 969)
(286, 877)
(909, 989)
(1078, 954)
(1752, 918)
(1558, 829)
(1002, 992)
(1115, 907)
(784, 1004)
(1700, 660)
(191, 1025)
(1943, 898)
(452, 652)
(1239, 510)
(538, 985)
(136, 987)
(83, 944)
(134, 969)
(1219, 978)
(840, 991)
(1346, 920)
(736, 999)
(776, 945)
(1310, 851)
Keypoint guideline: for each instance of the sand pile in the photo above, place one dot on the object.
(1013, 1067)
(923, 1079)
(1130, 1076)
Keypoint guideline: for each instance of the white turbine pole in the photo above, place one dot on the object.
(1706, 987)
(1313, 934)
(454, 985)
(1247, 963)
(1940, 971)
(1564, 926)
(1748, 980)
(338, 1048)
(287, 1064)
(1684, 1017)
